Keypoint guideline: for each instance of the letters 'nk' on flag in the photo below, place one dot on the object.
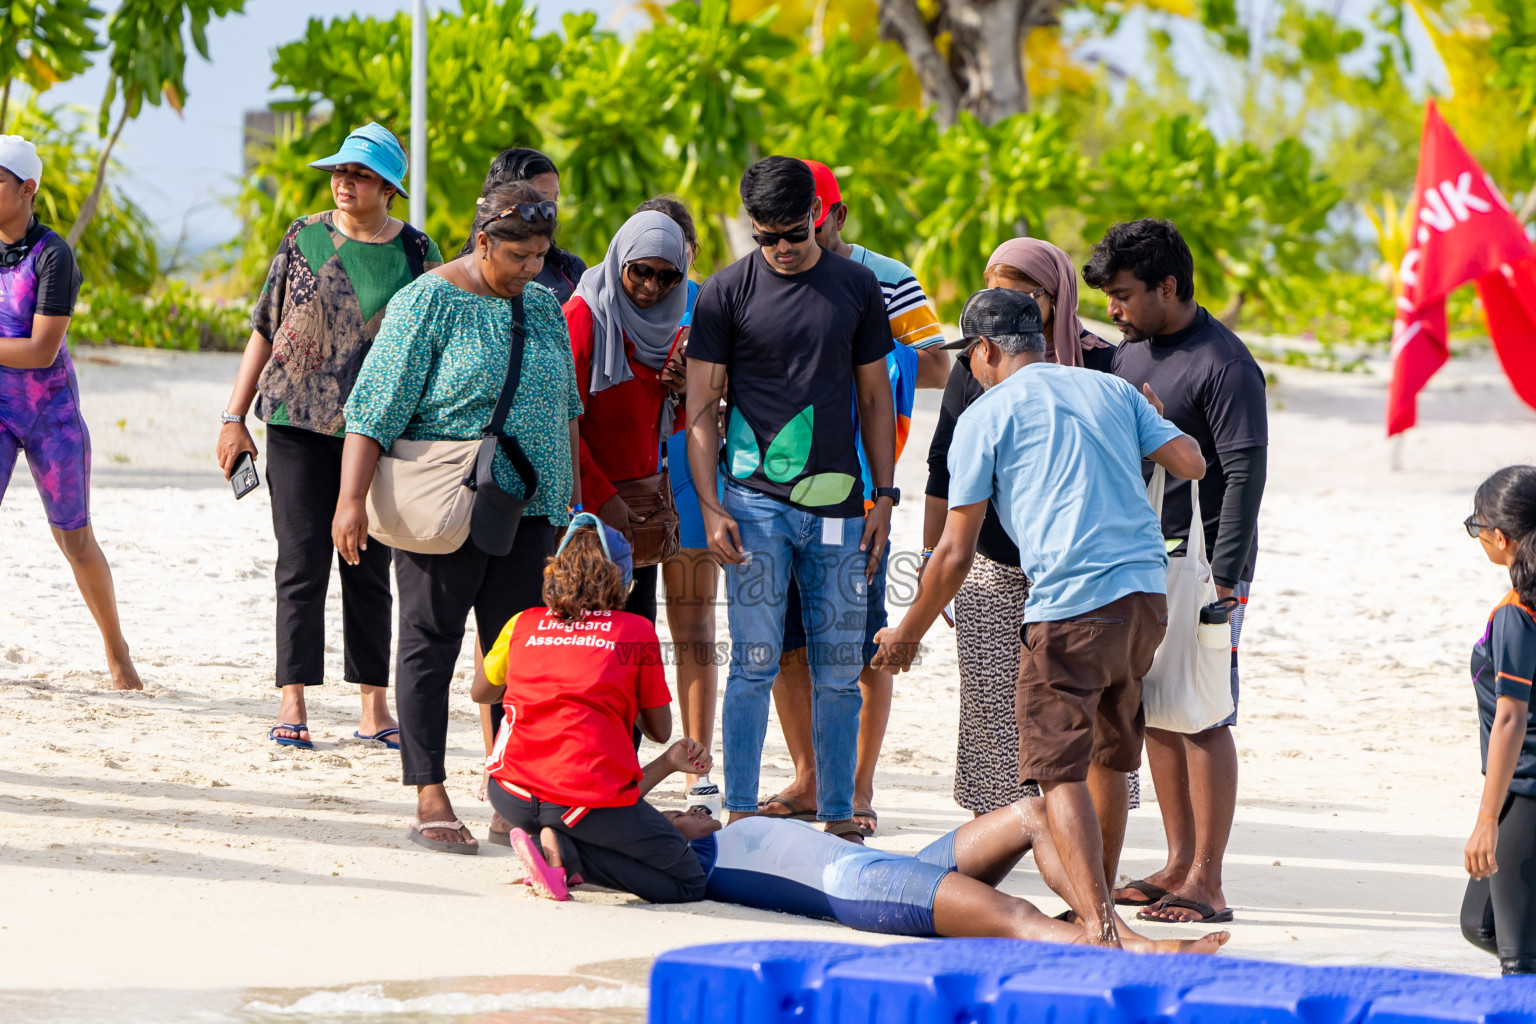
(1463, 231)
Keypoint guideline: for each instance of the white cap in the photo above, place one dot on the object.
(19, 156)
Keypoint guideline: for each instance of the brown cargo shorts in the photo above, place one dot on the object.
(1079, 692)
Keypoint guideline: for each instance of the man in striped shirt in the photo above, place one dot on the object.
(917, 361)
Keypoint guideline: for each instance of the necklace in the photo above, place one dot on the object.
(376, 234)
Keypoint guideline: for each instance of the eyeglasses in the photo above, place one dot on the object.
(13, 255)
(769, 239)
(528, 211)
(1039, 292)
(666, 279)
(1474, 527)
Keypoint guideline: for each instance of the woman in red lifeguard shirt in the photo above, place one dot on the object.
(575, 678)
(623, 322)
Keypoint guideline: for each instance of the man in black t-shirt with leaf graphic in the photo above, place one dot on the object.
(1213, 390)
(801, 334)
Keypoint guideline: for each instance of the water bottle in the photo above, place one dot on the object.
(1215, 629)
(706, 794)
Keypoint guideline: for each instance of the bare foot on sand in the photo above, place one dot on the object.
(124, 675)
(1134, 943)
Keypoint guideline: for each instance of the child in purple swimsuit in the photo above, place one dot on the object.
(39, 399)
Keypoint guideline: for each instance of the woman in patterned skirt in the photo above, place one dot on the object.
(989, 609)
(435, 373)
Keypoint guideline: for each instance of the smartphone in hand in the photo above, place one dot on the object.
(243, 478)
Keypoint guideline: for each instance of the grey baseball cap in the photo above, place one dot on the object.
(994, 311)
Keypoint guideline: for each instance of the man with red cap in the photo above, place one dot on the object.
(915, 362)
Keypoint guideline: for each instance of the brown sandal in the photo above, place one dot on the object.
(848, 830)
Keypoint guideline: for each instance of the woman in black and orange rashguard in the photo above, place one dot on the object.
(1499, 911)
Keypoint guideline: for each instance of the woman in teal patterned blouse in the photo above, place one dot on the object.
(434, 374)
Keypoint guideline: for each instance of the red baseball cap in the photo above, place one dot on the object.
(826, 188)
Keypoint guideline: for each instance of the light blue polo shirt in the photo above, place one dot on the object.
(1058, 451)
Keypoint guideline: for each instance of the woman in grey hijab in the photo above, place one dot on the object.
(624, 321)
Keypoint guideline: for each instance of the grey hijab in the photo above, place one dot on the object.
(614, 316)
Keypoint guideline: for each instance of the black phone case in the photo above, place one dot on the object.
(244, 479)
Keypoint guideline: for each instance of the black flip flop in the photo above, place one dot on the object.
(1208, 914)
(1153, 894)
(796, 812)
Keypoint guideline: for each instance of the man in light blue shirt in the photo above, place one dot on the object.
(1059, 450)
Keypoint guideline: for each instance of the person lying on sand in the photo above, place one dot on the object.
(947, 889)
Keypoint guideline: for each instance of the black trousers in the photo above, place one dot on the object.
(437, 593)
(642, 599)
(304, 479)
(1498, 913)
(633, 849)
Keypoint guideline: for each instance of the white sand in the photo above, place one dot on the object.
(159, 840)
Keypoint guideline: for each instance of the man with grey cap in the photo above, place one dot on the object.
(1058, 449)
(39, 397)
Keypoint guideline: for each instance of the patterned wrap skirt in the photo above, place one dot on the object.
(989, 613)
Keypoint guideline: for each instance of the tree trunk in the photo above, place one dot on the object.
(1528, 208)
(5, 105)
(983, 73)
(88, 208)
(1232, 311)
(901, 21)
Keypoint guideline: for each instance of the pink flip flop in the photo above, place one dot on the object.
(544, 880)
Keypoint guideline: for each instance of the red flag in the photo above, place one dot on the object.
(1463, 231)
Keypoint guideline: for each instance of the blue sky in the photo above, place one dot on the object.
(179, 168)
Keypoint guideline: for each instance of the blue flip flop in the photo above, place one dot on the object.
(288, 741)
(381, 736)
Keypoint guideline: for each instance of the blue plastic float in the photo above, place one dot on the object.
(1003, 981)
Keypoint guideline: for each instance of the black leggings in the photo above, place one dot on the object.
(304, 478)
(633, 849)
(437, 593)
(1498, 913)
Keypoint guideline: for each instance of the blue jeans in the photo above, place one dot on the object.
(823, 557)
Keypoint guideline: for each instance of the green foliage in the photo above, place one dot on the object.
(1252, 220)
(149, 53)
(984, 185)
(174, 316)
(1513, 49)
(489, 76)
(119, 245)
(43, 42)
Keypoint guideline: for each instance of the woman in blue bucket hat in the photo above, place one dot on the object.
(324, 298)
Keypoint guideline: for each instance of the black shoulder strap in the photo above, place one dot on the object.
(514, 373)
(415, 245)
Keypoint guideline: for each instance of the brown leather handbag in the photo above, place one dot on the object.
(656, 537)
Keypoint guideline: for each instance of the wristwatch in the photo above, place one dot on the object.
(228, 417)
(894, 493)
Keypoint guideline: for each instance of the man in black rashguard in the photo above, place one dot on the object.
(1213, 390)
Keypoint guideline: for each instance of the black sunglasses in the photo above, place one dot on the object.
(667, 279)
(13, 255)
(1474, 527)
(545, 210)
(769, 239)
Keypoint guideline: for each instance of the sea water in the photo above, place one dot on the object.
(520, 999)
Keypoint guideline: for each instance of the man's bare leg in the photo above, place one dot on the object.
(1074, 828)
(1211, 757)
(1170, 776)
(1111, 795)
(875, 687)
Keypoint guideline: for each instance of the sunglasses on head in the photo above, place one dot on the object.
(642, 273)
(1474, 527)
(545, 210)
(769, 239)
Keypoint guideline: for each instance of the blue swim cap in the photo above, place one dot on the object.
(614, 545)
(376, 148)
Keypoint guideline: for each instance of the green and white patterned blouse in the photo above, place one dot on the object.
(437, 367)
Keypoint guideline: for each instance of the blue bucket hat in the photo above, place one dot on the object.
(376, 148)
(614, 545)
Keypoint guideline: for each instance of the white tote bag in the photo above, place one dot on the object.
(1189, 688)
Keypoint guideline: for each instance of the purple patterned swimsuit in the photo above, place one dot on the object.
(40, 409)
